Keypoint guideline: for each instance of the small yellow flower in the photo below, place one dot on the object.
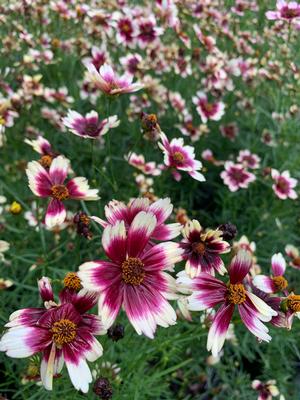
(15, 208)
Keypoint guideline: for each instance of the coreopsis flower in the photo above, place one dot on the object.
(131, 63)
(248, 159)
(208, 110)
(290, 305)
(202, 249)
(287, 11)
(109, 82)
(229, 131)
(44, 148)
(126, 28)
(284, 185)
(236, 177)
(89, 126)
(147, 31)
(99, 57)
(294, 254)
(209, 292)
(135, 276)
(44, 183)
(266, 391)
(118, 211)
(138, 161)
(62, 332)
(277, 282)
(179, 157)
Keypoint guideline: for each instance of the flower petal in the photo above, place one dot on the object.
(59, 170)
(218, 330)
(55, 214)
(240, 266)
(140, 232)
(278, 264)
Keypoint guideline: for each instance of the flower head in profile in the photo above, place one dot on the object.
(89, 126)
(135, 278)
(109, 82)
(44, 148)
(267, 390)
(294, 255)
(179, 157)
(118, 211)
(138, 161)
(51, 183)
(275, 283)
(63, 333)
(236, 177)
(202, 249)
(287, 11)
(207, 110)
(208, 292)
(284, 185)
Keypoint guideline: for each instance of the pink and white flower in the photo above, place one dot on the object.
(138, 161)
(99, 57)
(277, 282)
(40, 145)
(62, 332)
(235, 176)
(266, 391)
(207, 110)
(202, 249)
(147, 31)
(229, 131)
(209, 292)
(284, 185)
(132, 63)
(109, 82)
(287, 11)
(135, 276)
(248, 159)
(89, 126)
(179, 157)
(44, 183)
(294, 254)
(117, 211)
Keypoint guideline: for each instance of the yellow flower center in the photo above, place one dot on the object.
(293, 302)
(63, 331)
(133, 271)
(45, 161)
(178, 157)
(280, 282)
(72, 281)
(236, 293)
(60, 192)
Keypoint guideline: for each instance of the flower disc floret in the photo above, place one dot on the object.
(280, 282)
(72, 281)
(133, 271)
(236, 293)
(63, 331)
(60, 192)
